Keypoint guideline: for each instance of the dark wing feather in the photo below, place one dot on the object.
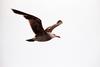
(35, 22)
(50, 28)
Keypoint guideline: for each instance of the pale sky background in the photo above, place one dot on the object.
(79, 45)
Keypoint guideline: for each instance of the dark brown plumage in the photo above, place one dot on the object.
(36, 25)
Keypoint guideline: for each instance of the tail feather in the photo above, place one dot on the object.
(30, 40)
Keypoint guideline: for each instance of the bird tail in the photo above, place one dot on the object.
(19, 12)
(30, 40)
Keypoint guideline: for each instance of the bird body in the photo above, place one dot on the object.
(36, 25)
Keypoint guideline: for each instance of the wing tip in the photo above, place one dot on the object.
(59, 22)
(13, 10)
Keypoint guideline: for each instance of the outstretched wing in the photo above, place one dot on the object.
(50, 28)
(35, 22)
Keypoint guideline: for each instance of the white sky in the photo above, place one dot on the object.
(79, 45)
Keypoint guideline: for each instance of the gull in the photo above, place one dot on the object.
(41, 34)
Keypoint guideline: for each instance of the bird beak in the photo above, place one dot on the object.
(58, 36)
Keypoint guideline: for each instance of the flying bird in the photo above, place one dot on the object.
(41, 34)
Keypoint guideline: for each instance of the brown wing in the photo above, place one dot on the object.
(35, 22)
(50, 28)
